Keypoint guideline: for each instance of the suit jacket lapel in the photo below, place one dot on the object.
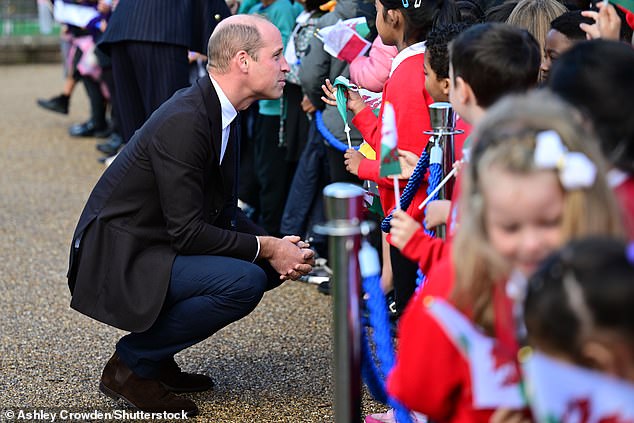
(230, 161)
(214, 114)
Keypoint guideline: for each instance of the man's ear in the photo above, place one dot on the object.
(242, 57)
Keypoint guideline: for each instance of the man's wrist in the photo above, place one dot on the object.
(265, 247)
(257, 253)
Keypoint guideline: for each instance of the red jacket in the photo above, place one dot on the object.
(432, 375)
(623, 186)
(427, 250)
(405, 90)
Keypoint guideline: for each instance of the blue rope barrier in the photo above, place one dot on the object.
(375, 383)
(435, 176)
(373, 380)
(379, 320)
(410, 189)
(328, 136)
(370, 271)
(381, 324)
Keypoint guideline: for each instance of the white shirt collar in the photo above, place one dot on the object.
(413, 50)
(229, 112)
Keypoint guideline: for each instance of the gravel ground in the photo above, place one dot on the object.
(273, 366)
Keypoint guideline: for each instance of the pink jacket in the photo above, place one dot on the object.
(371, 72)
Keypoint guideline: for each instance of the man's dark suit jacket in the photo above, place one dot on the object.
(166, 194)
(186, 23)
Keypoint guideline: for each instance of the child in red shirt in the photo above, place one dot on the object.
(457, 338)
(597, 78)
(406, 26)
(485, 63)
(578, 315)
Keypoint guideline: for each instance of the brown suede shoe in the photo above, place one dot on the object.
(119, 382)
(175, 380)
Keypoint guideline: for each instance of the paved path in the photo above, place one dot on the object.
(273, 366)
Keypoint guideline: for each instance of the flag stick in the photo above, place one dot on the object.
(397, 194)
(438, 188)
(346, 129)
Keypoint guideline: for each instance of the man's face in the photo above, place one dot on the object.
(556, 45)
(267, 74)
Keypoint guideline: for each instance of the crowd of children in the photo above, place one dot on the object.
(548, 166)
(535, 275)
(546, 170)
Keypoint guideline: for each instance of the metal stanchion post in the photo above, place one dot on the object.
(344, 208)
(443, 123)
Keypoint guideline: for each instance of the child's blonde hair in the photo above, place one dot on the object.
(536, 16)
(506, 138)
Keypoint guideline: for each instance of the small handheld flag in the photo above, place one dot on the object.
(342, 84)
(344, 40)
(628, 5)
(370, 98)
(390, 165)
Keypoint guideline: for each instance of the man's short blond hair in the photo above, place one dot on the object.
(231, 37)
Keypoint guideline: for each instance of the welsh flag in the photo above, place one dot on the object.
(390, 165)
(344, 40)
(560, 392)
(628, 5)
(495, 375)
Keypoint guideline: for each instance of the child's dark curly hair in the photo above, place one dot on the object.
(584, 288)
(436, 47)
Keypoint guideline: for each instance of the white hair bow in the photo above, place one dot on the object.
(576, 170)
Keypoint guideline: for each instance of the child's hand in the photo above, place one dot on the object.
(505, 415)
(607, 23)
(104, 6)
(355, 103)
(402, 228)
(307, 105)
(352, 160)
(437, 213)
(408, 161)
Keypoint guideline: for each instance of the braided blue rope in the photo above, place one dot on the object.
(381, 323)
(330, 139)
(375, 383)
(420, 278)
(379, 320)
(371, 376)
(435, 176)
(410, 189)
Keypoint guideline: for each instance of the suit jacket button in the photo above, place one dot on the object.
(217, 17)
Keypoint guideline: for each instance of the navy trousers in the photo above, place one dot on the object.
(206, 293)
(146, 75)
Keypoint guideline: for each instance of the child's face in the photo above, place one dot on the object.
(452, 89)
(383, 27)
(556, 44)
(454, 98)
(523, 215)
(437, 89)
